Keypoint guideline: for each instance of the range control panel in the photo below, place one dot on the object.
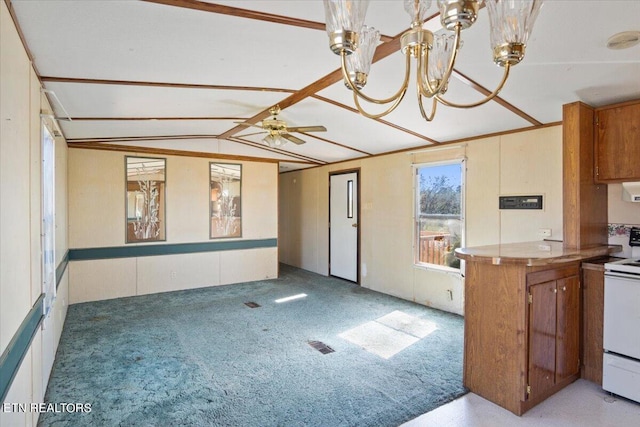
(520, 202)
(634, 236)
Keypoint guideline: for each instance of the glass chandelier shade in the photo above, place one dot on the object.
(344, 20)
(359, 62)
(417, 10)
(511, 23)
(443, 46)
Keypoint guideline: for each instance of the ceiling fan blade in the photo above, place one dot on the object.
(248, 124)
(306, 129)
(250, 134)
(292, 138)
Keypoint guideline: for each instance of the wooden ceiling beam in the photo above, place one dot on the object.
(246, 13)
(483, 90)
(54, 79)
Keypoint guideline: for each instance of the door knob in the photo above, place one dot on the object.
(354, 225)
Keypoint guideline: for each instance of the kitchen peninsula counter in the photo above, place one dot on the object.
(539, 253)
(522, 320)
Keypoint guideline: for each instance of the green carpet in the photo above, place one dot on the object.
(204, 358)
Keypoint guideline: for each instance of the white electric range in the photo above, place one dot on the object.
(621, 333)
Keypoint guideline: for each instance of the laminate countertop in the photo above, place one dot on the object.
(536, 253)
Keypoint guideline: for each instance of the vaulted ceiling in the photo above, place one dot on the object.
(180, 74)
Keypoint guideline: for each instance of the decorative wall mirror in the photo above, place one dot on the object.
(225, 204)
(145, 203)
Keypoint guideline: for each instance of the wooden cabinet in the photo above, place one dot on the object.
(553, 328)
(584, 203)
(592, 321)
(517, 353)
(617, 142)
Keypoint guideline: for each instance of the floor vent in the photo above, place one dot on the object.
(252, 304)
(321, 347)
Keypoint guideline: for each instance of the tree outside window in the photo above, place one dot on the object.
(439, 213)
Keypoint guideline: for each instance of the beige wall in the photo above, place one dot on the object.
(20, 219)
(97, 219)
(521, 163)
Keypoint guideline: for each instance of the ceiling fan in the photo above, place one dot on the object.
(278, 133)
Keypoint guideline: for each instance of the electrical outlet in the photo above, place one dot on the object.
(173, 274)
(544, 232)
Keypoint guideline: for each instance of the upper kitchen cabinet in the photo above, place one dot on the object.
(617, 142)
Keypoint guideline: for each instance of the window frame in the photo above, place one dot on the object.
(416, 212)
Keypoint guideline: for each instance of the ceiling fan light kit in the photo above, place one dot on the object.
(278, 131)
(511, 23)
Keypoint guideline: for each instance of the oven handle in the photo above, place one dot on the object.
(630, 276)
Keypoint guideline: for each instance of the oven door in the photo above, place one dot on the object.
(622, 314)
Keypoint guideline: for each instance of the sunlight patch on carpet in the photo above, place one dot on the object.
(390, 334)
(407, 323)
(379, 339)
(291, 298)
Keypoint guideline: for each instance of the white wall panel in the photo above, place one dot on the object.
(482, 220)
(444, 291)
(531, 164)
(233, 265)
(187, 199)
(177, 272)
(15, 220)
(101, 279)
(96, 199)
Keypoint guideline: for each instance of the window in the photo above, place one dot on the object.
(48, 219)
(439, 218)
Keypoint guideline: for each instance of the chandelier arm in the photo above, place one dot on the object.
(398, 95)
(393, 106)
(489, 97)
(434, 104)
(425, 84)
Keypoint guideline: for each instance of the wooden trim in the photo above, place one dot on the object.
(167, 152)
(52, 79)
(71, 141)
(276, 150)
(335, 143)
(246, 13)
(618, 105)
(483, 90)
(12, 13)
(393, 125)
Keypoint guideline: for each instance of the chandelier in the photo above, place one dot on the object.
(511, 22)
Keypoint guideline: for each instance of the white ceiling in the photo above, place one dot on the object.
(177, 74)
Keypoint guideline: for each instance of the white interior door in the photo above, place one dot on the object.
(343, 226)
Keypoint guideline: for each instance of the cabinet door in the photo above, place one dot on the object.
(567, 327)
(542, 337)
(618, 143)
